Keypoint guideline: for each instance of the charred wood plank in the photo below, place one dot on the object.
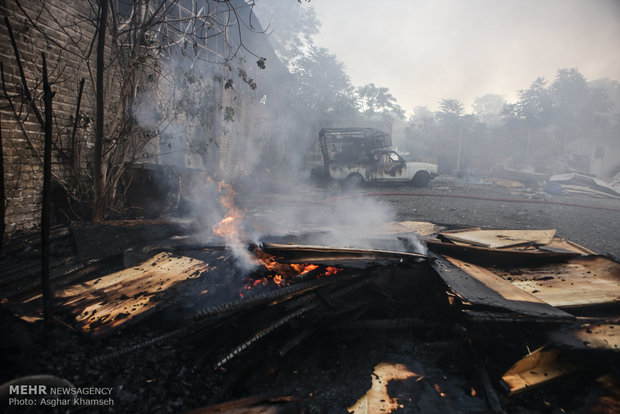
(266, 297)
(581, 282)
(588, 336)
(245, 345)
(298, 339)
(400, 323)
(347, 257)
(498, 257)
(296, 309)
(491, 396)
(537, 368)
(61, 274)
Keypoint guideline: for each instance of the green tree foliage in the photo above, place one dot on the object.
(534, 107)
(571, 105)
(323, 84)
(378, 100)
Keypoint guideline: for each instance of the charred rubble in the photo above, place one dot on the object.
(175, 326)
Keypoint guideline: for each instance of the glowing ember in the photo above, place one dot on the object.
(440, 392)
(332, 271)
(284, 271)
(281, 273)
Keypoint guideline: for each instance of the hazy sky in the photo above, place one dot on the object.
(427, 50)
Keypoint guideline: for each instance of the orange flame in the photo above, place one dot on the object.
(283, 270)
(229, 226)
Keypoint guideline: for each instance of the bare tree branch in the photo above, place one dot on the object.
(22, 75)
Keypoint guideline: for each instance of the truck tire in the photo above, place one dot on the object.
(421, 179)
(354, 180)
(319, 176)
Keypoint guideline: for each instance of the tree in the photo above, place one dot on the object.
(604, 98)
(135, 44)
(579, 106)
(323, 85)
(450, 111)
(421, 114)
(378, 100)
(570, 95)
(420, 122)
(488, 108)
(289, 29)
(534, 107)
(510, 115)
(450, 116)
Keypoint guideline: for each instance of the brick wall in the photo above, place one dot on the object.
(62, 29)
(57, 28)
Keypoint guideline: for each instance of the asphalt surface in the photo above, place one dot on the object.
(591, 222)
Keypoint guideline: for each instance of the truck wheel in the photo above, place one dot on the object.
(319, 176)
(421, 179)
(354, 180)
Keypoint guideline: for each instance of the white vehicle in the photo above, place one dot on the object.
(358, 155)
(383, 166)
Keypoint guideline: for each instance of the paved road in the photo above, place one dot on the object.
(594, 224)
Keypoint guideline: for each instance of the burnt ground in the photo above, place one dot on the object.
(331, 366)
(597, 227)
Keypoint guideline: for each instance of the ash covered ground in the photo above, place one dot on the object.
(597, 228)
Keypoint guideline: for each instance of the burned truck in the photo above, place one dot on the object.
(355, 156)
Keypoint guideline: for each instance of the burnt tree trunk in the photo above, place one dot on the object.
(99, 203)
(45, 211)
(74, 151)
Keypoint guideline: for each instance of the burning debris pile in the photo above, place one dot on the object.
(487, 322)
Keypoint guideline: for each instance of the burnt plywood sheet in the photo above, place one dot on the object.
(578, 282)
(492, 281)
(504, 257)
(377, 399)
(602, 336)
(501, 238)
(537, 368)
(560, 245)
(478, 286)
(96, 240)
(110, 301)
(421, 228)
